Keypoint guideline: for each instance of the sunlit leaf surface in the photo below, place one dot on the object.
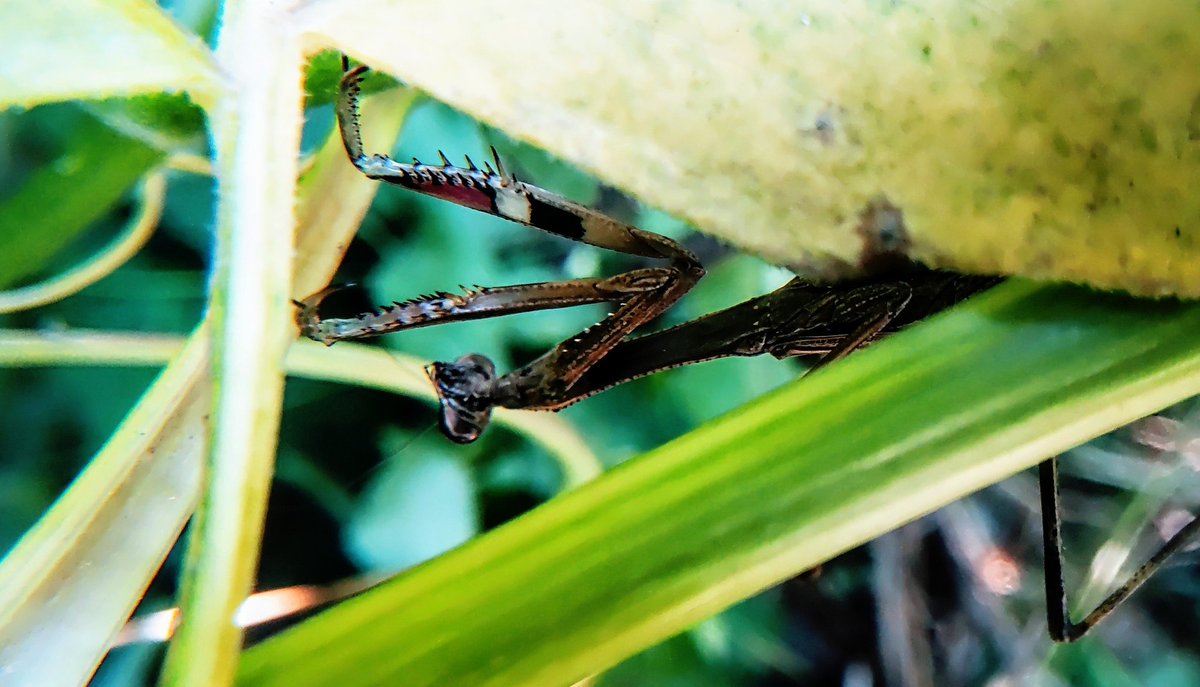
(793, 130)
(65, 49)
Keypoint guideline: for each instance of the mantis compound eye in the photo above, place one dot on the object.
(464, 390)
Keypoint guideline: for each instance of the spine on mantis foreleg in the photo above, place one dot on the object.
(496, 192)
(416, 312)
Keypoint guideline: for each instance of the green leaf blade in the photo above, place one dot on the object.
(74, 578)
(58, 203)
(747, 501)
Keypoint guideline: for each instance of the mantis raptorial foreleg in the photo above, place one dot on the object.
(473, 304)
(798, 319)
(640, 295)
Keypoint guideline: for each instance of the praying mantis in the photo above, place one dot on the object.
(801, 318)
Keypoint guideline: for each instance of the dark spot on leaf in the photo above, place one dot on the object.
(885, 236)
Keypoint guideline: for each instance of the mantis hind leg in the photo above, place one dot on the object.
(1058, 616)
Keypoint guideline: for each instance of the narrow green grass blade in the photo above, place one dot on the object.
(123, 247)
(348, 363)
(653, 547)
(58, 203)
(73, 579)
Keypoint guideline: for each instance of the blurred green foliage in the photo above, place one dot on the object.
(365, 485)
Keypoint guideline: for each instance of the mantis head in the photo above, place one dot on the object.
(464, 389)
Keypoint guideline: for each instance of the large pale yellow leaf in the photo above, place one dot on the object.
(1057, 140)
(54, 50)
